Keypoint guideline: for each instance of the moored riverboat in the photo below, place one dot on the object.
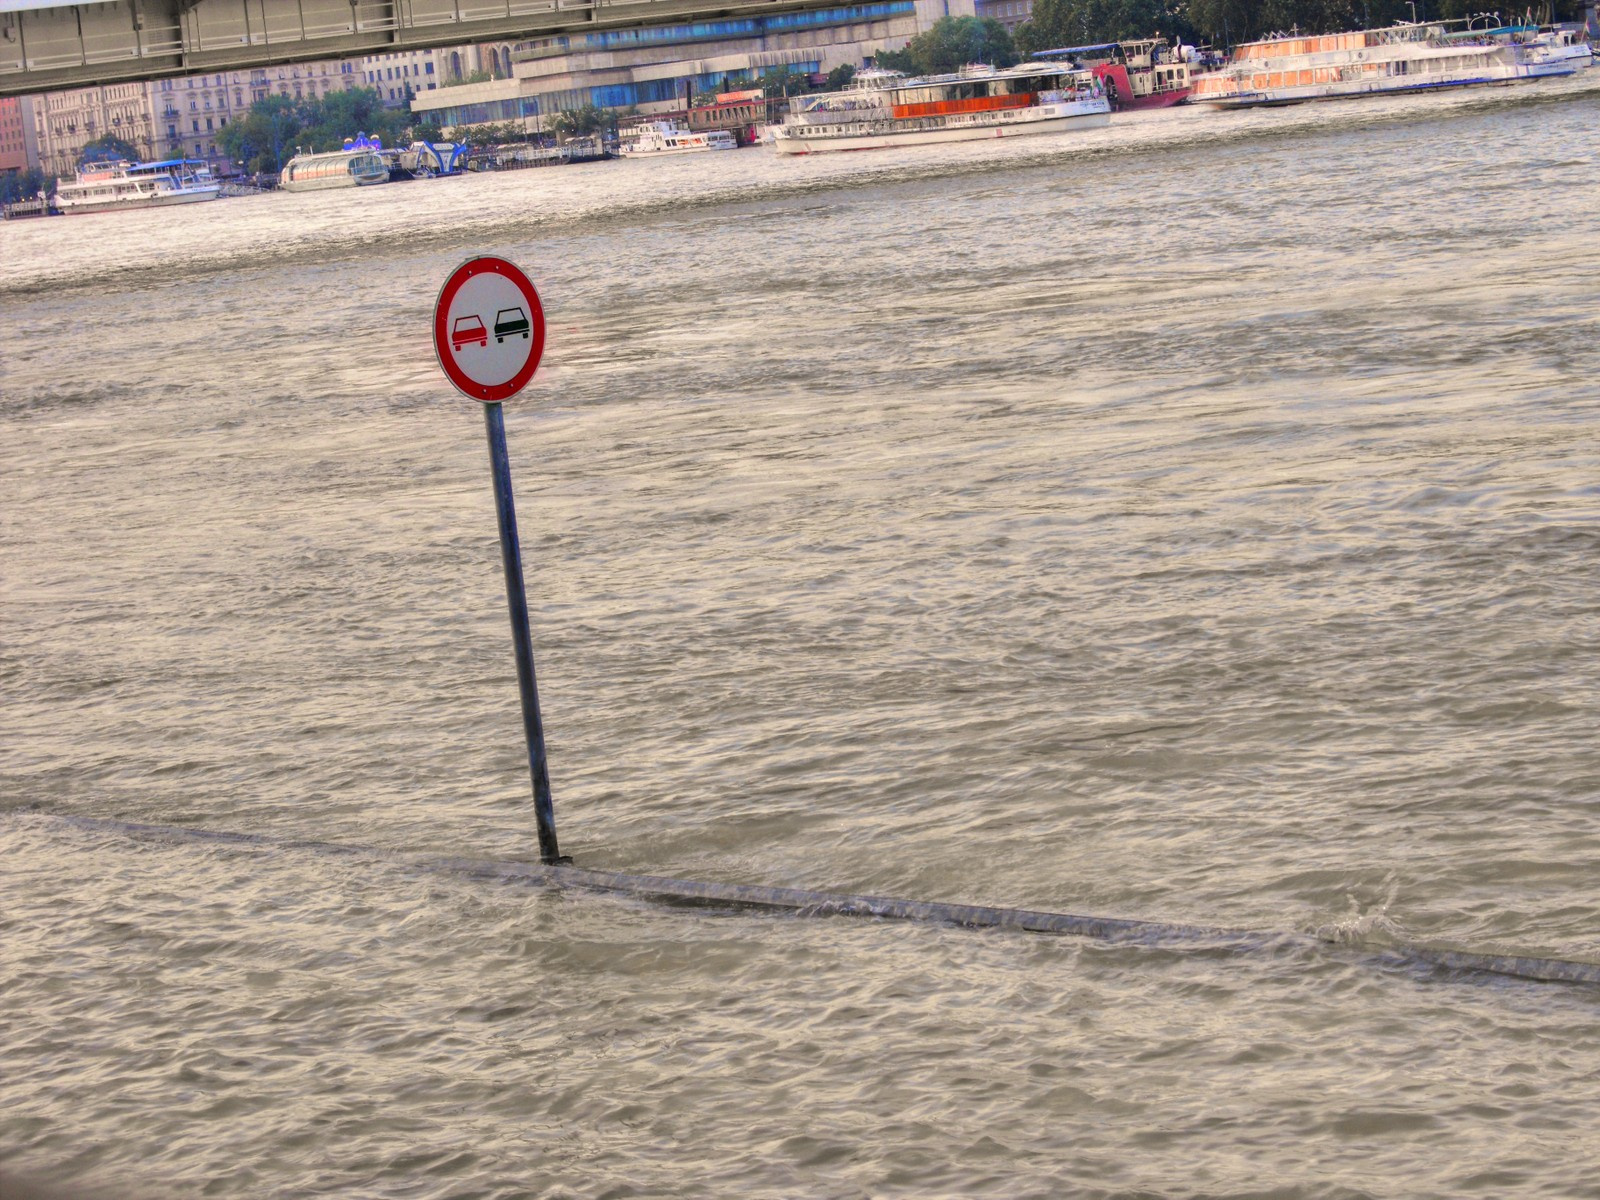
(1143, 73)
(108, 186)
(1398, 59)
(666, 136)
(356, 167)
(885, 108)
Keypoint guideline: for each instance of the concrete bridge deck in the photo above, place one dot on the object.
(51, 44)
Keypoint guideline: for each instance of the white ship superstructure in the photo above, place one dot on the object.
(106, 186)
(669, 137)
(1400, 58)
(885, 108)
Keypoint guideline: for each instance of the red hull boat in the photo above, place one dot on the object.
(1145, 73)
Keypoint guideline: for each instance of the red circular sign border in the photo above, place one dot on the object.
(464, 383)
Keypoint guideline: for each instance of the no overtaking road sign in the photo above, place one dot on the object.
(488, 329)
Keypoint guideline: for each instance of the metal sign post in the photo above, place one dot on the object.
(484, 299)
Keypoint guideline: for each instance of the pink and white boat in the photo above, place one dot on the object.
(1143, 73)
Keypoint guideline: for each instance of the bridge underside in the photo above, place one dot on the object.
(45, 47)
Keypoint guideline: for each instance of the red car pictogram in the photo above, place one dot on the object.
(468, 330)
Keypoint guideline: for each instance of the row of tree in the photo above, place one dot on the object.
(953, 42)
(23, 185)
(269, 134)
(1223, 23)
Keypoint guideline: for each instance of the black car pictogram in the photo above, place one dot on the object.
(509, 321)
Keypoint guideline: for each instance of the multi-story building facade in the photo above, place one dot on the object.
(1009, 13)
(69, 121)
(19, 148)
(399, 76)
(656, 70)
(404, 74)
(174, 118)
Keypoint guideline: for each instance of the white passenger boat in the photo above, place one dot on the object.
(1401, 58)
(668, 137)
(356, 167)
(885, 108)
(105, 186)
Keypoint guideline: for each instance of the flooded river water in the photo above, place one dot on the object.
(1195, 520)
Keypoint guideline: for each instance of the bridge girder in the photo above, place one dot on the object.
(47, 46)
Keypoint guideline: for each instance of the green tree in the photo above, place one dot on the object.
(23, 185)
(894, 60)
(1224, 22)
(108, 148)
(781, 81)
(952, 43)
(491, 134)
(582, 122)
(469, 77)
(345, 114)
(839, 78)
(265, 138)
(1057, 23)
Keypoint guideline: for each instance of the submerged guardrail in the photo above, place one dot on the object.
(804, 902)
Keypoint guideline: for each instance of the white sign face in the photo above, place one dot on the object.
(488, 329)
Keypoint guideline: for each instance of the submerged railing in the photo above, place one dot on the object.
(807, 903)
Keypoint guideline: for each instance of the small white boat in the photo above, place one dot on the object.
(884, 108)
(105, 186)
(668, 137)
(357, 167)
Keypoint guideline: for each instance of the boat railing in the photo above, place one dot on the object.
(840, 116)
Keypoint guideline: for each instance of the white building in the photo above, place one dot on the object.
(399, 76)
